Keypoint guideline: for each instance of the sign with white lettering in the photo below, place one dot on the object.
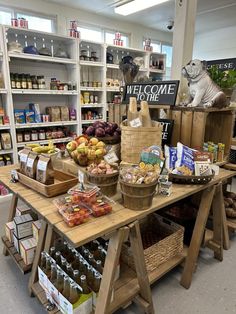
(155, 93)
(167, 125)
(223, 64)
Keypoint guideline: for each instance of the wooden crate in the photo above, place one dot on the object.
(194, 126)
(116, 112)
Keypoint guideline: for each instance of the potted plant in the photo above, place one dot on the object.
(226, 80)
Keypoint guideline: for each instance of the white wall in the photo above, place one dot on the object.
(65, 14)
(217, 44)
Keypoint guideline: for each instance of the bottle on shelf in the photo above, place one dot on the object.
(69, 270)
(43, 261)
(89, 275)
(63, 263)
(97, 282)
(74, 293)
(66, 287)
(76, 276)
(98, 266)
(70, 256)
(13, 80)
(18, 82)
(85, 253)
(100, 254)
(28, 81)
(23, 81)
(91, 260)
(58, 258)
(60, 281)
(76, 262)
(53, 277)
(84, 285)
(48, 267)
(52, 252)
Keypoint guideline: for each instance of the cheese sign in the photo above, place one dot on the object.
(155, 93)
(223, 64)
(166, 131)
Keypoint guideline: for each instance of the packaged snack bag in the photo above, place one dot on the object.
(185, 160)
(170, 157)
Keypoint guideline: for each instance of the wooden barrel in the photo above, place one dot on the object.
(133, 140)
(137, 196)
(106, 182)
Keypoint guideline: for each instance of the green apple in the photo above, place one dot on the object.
(71, 146)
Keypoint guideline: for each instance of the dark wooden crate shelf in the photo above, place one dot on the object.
(16, 256)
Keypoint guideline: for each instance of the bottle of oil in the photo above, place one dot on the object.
(69, 270)
(97, 282)
(74, 293)
(84, 285)
(52, 252)
(48, 267)
(98, 266)
(66, 287)
(58, 258)
(76, 276)
(53, 277)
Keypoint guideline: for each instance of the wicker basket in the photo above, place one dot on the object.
(106, 182)
(181, 179)
(162, 239)
(137, 196)
(133, 140)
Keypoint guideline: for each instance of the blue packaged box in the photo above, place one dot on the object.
(37, 113)
(29, 116)
(19, 116)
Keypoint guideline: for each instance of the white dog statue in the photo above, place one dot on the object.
(203, 91)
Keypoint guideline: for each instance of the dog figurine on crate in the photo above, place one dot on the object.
(203, 91)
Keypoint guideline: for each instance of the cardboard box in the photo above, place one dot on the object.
(16, 241)
(43, 279)
(22, 210)
(27, 250)
(9, 230)
(23, 226)
(36, 225)
(19, 116)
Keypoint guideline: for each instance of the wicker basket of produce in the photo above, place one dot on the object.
(162, 240)
(133, 140)
(104, 176)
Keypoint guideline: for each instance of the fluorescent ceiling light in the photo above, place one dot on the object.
(136, 5)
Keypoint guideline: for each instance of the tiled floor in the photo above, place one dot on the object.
(213, 289)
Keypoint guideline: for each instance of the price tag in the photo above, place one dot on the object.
(30, 162)
(135, 123)
(81, 176)
(111, 158)
(42, 165)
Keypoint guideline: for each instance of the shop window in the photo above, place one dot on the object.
(110, 36)
(90, 34)
(167, 49)
(5, 17)
(39, 23)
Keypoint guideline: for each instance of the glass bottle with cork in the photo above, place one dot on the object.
(84, 285)
(74, 293)
(66, 287)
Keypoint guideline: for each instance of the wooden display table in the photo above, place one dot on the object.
(121, 224)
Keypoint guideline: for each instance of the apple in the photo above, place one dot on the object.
(81, 148)
(82, 160)
(74, 154)
(100, 144)
(71, 146)
(91, 154)
(81, 139)
(93, 141)
(99, 152)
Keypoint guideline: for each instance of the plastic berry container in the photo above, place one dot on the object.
(101, 208)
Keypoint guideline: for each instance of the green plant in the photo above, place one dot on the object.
(224, 79)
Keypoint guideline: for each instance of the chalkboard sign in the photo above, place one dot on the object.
(223, 64)
(155, 93)
(166, 131)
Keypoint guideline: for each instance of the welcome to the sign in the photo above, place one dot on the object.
(161, 92)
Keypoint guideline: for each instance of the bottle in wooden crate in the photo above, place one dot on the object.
(52, 252)
(70, 256)
(98, 266)
(91, 260)
(53, 277)
(76, 262)
(132, 111)
(58, 258)
(84, 285)
(48, 266)
(60, 281)
(66, 287)
(69, 270)
(74, 293)
(63, 263)
(89, 275)
(76, 276)
(144, 115)
(96, 282)
(43, 261)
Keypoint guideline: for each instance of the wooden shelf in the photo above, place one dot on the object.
(41, 295)
(31, 57)
(127, 288)
(230, 166)
(16, 256)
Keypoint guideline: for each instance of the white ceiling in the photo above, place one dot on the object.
(211, 14)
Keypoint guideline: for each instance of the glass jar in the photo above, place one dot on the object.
(53, 84)
(18, 81)
(34, 82)
(34, 135)
(48, 135)
(41, 82)
(27, 136)
(29, 82)
(42, 135)
(19, 137)
(13, 82)
(23, 82)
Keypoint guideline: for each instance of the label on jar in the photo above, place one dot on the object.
(19, 138)
(27, 137)
(24, 85)
(42, 136)
(13, 84)
(18, 85)
(34, 136)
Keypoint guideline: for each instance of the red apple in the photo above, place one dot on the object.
(71, 146)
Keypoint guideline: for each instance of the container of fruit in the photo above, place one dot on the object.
(102, 206)
(104, 176)
(84, 150)
(107, 132)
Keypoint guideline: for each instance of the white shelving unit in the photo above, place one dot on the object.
(85, 72)
(58, 140)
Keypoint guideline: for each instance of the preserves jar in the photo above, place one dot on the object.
(34, 82)
(34, 135)
(41, 82)
(42, 135)
(26, 136)
(23, 82)
(18, 81)
(28, 80)
(19, 137)
(13, 82)
(53, 84)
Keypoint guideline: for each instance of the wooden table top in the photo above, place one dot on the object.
(101, 226)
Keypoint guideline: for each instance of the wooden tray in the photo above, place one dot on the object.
(176, 178)
(62, 183)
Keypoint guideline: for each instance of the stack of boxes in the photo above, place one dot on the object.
(23, 231)
(118, 41)
(147, 45)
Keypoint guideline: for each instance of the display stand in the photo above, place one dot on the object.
(121, 224)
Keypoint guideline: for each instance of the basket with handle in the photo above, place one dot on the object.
(133, 140)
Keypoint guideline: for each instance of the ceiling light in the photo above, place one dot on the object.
(136, 5)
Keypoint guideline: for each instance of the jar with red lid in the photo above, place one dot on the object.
(34, 135)
(42, 135)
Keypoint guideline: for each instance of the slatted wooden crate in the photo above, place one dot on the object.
(116, 112)
(193, 127)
